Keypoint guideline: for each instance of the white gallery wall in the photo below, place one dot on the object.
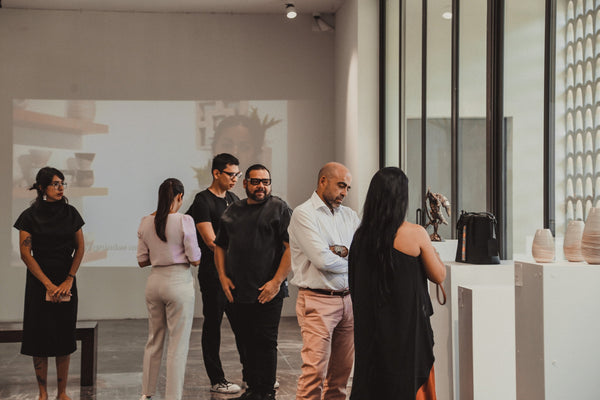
(147, 56)
(356, 94)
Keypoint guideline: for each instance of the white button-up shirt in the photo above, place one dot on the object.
(313, 229)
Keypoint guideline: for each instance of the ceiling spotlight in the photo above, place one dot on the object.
(290, 11)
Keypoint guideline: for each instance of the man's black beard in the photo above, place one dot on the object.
(253, 198)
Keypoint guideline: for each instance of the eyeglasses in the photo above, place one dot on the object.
(57, 184)
(232, 175)
(256, 181)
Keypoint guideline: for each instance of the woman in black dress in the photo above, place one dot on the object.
(389, 264)
(51, 245)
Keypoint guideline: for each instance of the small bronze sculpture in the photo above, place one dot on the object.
(434, 213)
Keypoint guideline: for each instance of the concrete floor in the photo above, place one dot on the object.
(120, 353)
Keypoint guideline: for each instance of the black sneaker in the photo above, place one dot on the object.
(248, 395)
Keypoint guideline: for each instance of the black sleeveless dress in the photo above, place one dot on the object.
(49, 328)
(394, 342)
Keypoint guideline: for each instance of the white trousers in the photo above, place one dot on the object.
(170, 303)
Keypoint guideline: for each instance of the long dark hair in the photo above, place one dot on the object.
(167, 191)
(43, 179)
(383, 213)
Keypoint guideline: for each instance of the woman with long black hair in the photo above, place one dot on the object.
(389, 264)
(52, 247)
(167, 241)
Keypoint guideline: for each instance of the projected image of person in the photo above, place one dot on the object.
(243, 136)
(167, 241)
(389, 263)
(52, 247)
(240, 136)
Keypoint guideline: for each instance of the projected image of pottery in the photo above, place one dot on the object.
(84, 160)
(84, 178)
(39, 158)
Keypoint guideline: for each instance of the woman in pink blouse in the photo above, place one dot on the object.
(167, 241)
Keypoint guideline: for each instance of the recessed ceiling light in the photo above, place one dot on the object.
(290, 11)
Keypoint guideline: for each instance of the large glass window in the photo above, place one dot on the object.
(523, 106)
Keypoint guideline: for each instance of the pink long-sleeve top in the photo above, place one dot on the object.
(181, 246)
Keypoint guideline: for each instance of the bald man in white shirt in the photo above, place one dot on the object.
(321, 230)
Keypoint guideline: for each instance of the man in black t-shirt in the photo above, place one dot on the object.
(207, 208)
(252, 256)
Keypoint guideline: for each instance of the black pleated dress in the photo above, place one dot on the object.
(49, 328)
(394, 342)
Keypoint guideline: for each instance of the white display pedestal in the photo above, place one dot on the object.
(445, 318)
(446, 249)
(486, 325)
(557, 331)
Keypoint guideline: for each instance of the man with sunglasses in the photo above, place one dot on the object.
(253, 260)
(321, 231)
(207, 208)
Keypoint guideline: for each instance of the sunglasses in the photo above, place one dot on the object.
(256, 181)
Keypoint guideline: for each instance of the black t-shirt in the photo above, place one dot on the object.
(252, 236)
(207, 207)
(52, 226)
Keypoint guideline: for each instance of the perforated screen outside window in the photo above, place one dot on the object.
(583, 107)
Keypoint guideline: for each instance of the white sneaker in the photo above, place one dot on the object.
(225, 387)
(245, 385)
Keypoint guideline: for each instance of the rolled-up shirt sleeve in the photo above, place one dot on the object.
(305, 234)
(190, 240)
(143, 253)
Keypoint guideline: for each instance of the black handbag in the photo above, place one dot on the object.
(477, 239)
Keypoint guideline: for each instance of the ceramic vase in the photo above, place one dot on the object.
(590, 241)
(543, 246)
(572, 243)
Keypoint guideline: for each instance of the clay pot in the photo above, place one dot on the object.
(572, 243)
(590, 241)
(543, 246)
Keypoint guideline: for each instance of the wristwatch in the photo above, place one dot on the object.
(339, 250)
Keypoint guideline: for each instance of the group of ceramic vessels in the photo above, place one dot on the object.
(82, 175)
(582, 241)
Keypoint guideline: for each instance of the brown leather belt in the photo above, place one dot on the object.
(341, 293)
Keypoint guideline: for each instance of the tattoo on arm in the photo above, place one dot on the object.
(27, 242)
